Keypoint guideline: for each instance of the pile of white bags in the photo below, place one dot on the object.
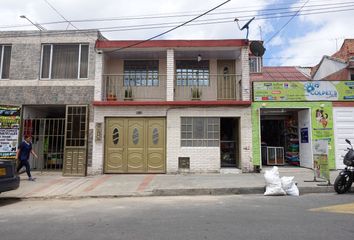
(276, 186)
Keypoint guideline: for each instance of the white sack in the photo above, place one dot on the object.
(289, 186)
(273, 183)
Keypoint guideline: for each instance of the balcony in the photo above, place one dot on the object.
(210, 88)
(120, 87)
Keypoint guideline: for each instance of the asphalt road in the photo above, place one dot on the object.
(311, 216)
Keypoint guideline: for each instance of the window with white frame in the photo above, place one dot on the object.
(256, 64)
(141, 73)
(200, 131)
(192, 73)
(64, 61)
(5, 56)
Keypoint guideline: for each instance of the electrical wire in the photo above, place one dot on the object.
(172, 29)
(292, 17)
(206, 21)
(164, 16)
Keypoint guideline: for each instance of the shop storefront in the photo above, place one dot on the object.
(291, 119)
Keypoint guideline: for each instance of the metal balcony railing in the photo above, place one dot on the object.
(119, 87)
(144, 87)
(211, 87)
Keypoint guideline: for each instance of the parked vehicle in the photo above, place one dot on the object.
(344, 180)
(9, 180)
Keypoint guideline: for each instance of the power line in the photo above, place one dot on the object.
(196, 23)
(183, 14)
(156, 36)
(277, 32)
(259, 17)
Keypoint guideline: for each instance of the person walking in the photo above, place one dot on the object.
(23, 154)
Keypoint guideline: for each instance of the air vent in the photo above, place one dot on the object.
(183, 163)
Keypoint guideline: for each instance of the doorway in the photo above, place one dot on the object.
(286, 137)
(229, 143)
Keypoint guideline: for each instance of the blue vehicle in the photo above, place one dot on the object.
(9, 180)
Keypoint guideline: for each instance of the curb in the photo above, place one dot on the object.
(233, 191)
(176, 192)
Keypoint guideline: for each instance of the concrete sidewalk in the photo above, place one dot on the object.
(53, 185)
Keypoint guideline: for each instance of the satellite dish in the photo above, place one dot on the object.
(257, 49)
(246, 26)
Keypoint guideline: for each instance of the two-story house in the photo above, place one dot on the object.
(51, 76)
(168, 106)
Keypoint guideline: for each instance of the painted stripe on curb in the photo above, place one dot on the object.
(147, 180)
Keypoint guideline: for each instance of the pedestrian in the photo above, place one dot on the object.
(23, 154)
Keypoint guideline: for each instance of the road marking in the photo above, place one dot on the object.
(97, 182)
(145, 182)
(342, 208)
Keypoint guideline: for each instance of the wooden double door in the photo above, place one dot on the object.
(135, 145)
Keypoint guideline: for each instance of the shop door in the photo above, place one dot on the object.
(344, 129)
(75, 150)
(305, 138)
(135, 145)
(226, 80)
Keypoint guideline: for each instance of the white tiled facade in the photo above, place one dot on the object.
(202, 159)
(206, 159)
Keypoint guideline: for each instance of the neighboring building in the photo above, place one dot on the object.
(340, 66)
(168, 106)
(51, 75)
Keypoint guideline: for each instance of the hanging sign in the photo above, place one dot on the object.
(9, 131)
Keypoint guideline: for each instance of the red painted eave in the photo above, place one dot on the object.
(106, 44)
(343, 104)
(171, 103)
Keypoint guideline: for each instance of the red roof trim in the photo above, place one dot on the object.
(171, 103)
(101, 44)
(343, 104)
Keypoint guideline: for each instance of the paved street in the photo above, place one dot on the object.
(311, 216)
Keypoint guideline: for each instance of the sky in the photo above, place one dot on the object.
(295, 33)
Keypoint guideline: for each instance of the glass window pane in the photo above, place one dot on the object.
(84, 61)
(65, 61)
(6, 62)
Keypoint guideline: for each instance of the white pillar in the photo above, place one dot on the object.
(245, 84)
(98, 77)
(170, 75)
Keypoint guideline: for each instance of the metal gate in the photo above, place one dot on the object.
(135, 145)
(75, 153)
(48, 142)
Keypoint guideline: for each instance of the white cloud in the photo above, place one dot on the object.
(325, 35)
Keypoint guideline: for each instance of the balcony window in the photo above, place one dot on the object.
(64, 61)
(200, 131)
(192, 73)
(141, 73)
(256, 64)
(5, 56)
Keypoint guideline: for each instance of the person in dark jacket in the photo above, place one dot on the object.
(23, 154)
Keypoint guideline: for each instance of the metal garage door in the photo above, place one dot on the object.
(343, 128)
(134, 145)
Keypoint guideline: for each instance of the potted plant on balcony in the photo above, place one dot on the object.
(128, 94)
(196, 93)
(111, 96)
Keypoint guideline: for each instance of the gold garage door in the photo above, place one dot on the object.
(135, 145)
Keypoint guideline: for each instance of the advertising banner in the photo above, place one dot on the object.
(9, 131)
(304, 91)
(320, 159)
